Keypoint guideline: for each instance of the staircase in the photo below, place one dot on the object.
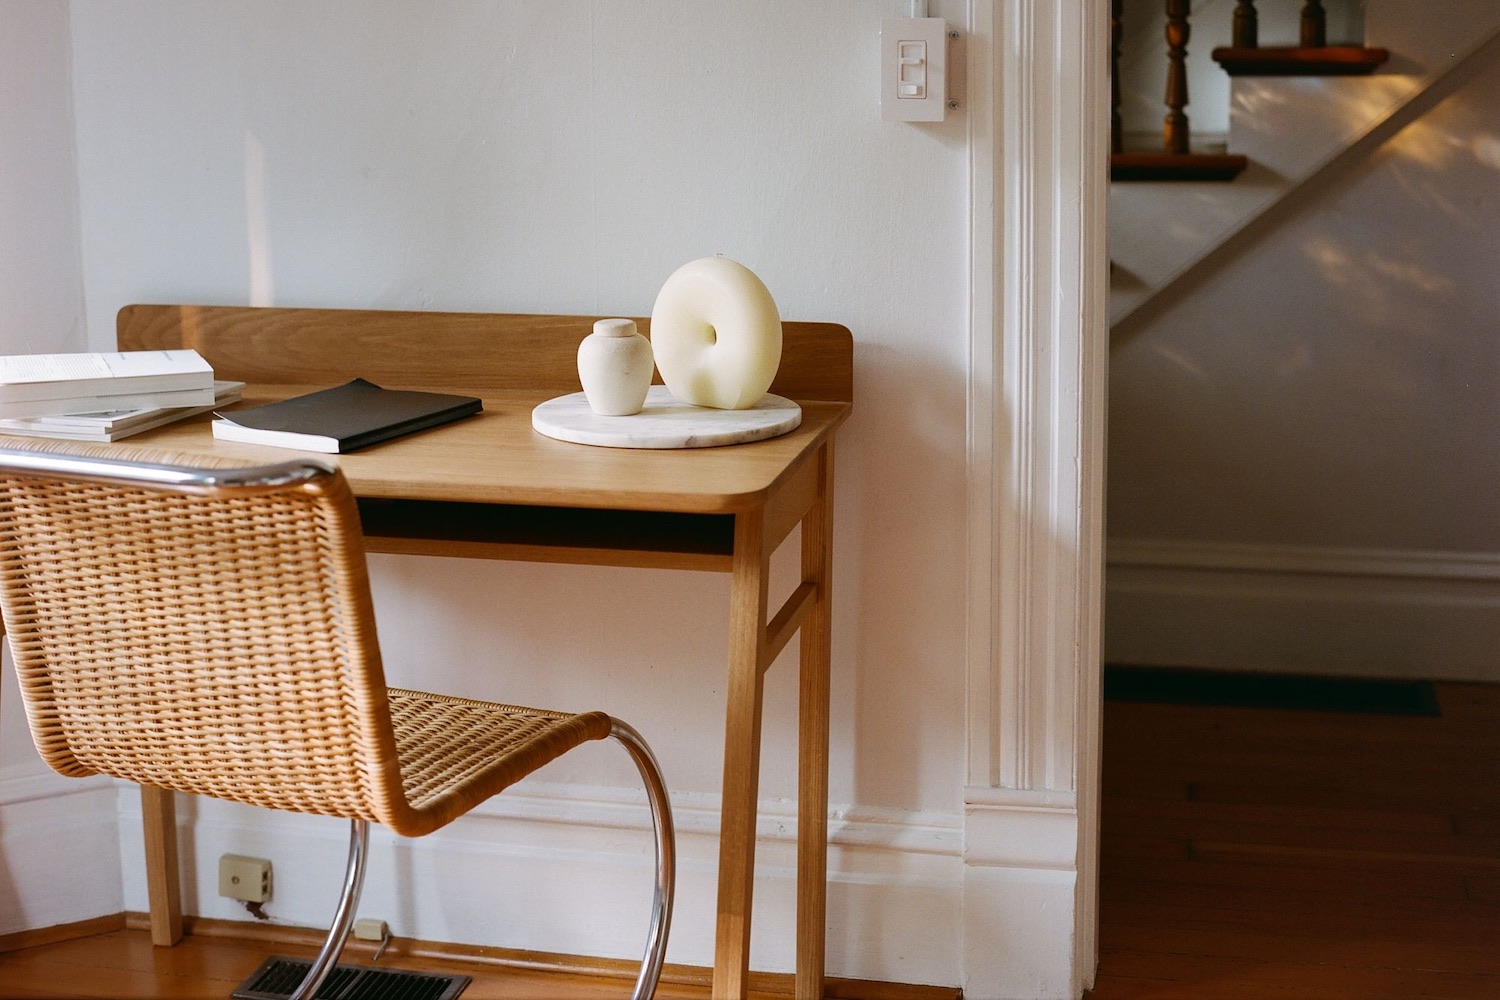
(1304, 362)
(1298, 113)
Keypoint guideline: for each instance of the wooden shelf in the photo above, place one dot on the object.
(1175, 166)
(1326, 60)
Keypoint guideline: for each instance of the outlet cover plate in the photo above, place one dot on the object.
(244, 878)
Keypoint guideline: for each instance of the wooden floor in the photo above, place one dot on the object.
(216, 956)
(123, 964)
(208, 965)
(1259, 853)
(1248, 854)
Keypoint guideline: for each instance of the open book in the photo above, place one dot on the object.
(355, 415)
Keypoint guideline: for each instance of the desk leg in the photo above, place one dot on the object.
(812, 749)
(747, 630)
(159, 818)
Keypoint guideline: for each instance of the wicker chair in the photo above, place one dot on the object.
(207, 628)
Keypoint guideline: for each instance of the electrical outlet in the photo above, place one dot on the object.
(243, 878)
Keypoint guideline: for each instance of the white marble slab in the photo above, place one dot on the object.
(665, 422)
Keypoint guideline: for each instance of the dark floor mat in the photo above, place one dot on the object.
(1254, 690)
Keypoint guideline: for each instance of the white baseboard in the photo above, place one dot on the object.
(1021, 877)
(1337, 611)
(564, 868)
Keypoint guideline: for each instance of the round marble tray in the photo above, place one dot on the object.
(665, 423)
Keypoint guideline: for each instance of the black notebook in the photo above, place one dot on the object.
(343, 418)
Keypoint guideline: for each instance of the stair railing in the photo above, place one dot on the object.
(1177, 160)
(1312, 26)
(1312, 56)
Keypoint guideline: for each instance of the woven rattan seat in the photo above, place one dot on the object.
(450, 748)
(207, 628)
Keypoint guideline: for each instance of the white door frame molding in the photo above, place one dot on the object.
(1039, 145)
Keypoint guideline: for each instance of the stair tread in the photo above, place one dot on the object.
(1326, 60)
(1160, 166)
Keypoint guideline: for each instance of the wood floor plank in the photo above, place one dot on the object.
(1258, 853)
(1338, 841)
(1302, 974)
(1274, 890)
(1453, 946)
(1124, 812)
(211, 961)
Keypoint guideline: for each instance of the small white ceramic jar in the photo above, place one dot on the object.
(615, 365)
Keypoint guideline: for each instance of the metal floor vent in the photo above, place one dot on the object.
(278, 976)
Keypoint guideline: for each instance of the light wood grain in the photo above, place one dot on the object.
(163, 874)
(812, 736)
(787, 621)
(57, 933)
(477, 353)
(496, 458)
(513, 362)
(748, 608)
(797, 491)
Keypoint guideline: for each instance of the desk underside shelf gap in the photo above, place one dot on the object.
(585, 535)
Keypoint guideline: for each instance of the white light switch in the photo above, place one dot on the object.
(912, 59)
(913, 69)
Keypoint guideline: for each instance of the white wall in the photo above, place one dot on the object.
(41, 309)
(567, 156)
(1302, 461)
(41, 290)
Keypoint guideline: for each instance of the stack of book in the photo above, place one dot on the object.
(112, 425)
(104, 397)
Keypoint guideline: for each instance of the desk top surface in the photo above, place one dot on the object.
(512, 362)
(496, 457)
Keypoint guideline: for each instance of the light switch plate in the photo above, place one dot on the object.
(913, 69)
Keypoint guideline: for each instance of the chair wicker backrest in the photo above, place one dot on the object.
(216, 640)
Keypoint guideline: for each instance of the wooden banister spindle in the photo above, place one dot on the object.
(1314, 25)
(1246, 25)
(1176, 161)
(1312, 56)
(1116, 32)
(1175, 127)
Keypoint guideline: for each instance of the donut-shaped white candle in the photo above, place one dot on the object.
(716, 334)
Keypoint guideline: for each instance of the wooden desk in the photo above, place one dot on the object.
(491, 487)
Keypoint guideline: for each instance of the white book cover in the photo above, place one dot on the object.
(116, 424)
(97, 404)
(55, 376)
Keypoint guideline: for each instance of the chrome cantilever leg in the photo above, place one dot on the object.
(666, 858)
(343, 919)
